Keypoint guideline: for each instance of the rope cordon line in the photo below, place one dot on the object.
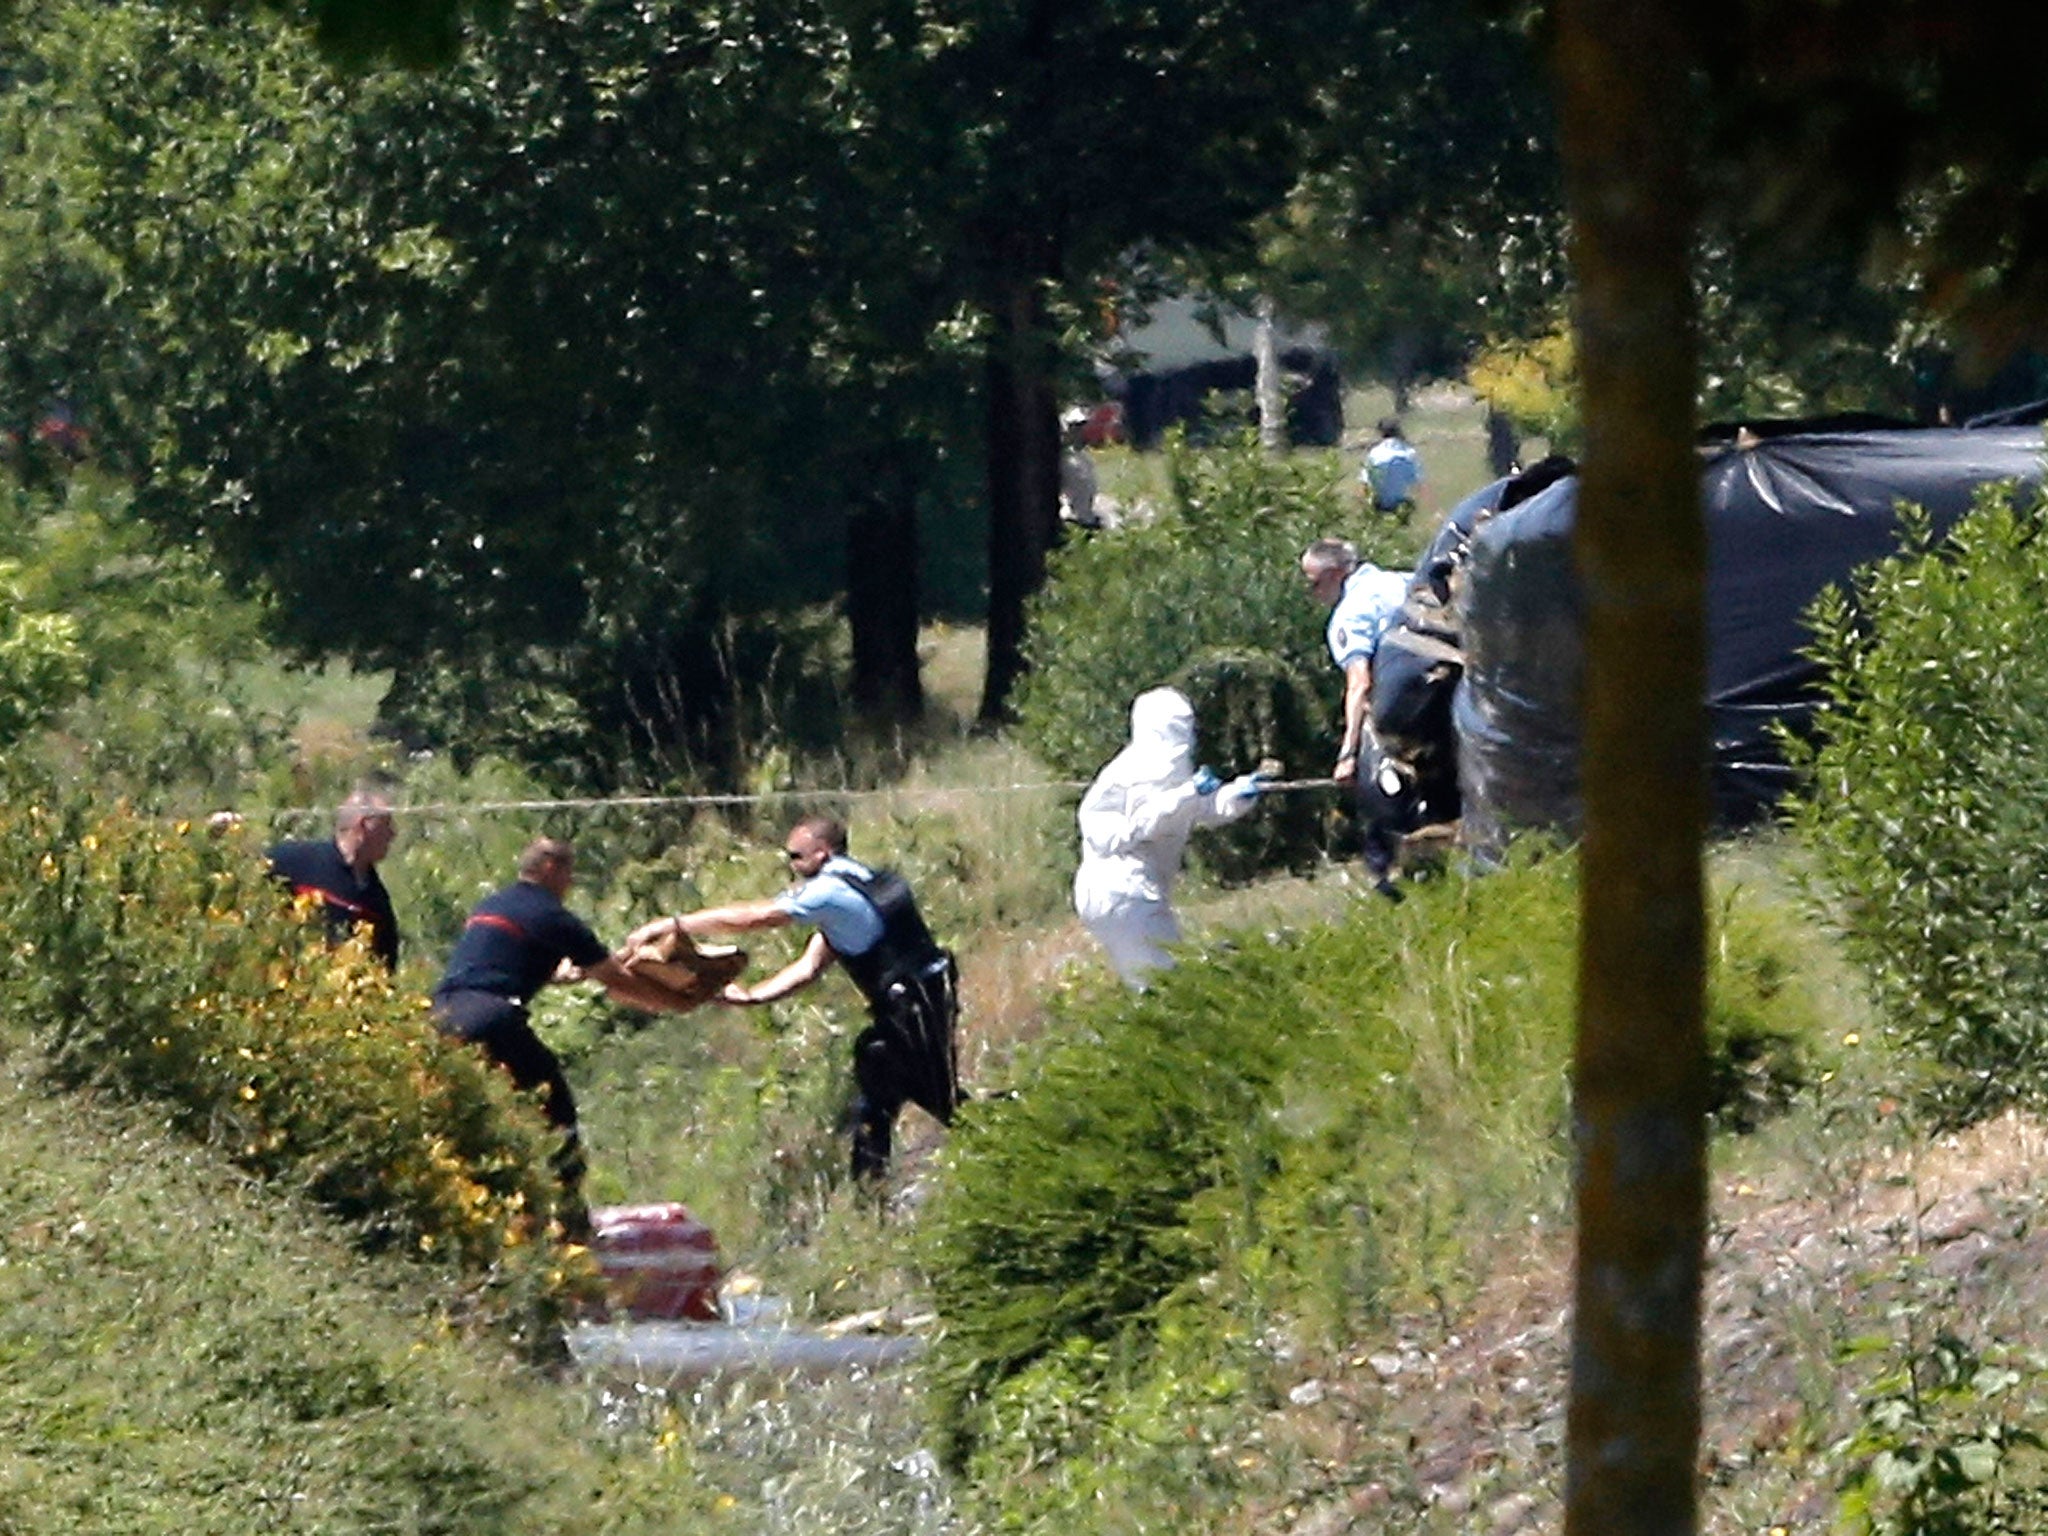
(761, 797)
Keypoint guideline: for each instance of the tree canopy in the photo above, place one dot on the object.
(630, 322)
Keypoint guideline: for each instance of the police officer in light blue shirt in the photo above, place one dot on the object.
(829, 902)
(868, 922)
(1364, 603)
(1368, 604)
(1393, 469)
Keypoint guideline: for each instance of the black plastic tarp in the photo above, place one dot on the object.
(1786, 516)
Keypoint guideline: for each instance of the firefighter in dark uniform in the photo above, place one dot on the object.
(867, 920)
(341, 872)
(516, 941)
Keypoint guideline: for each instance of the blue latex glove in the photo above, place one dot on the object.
(1206, 782)
(1255, 783)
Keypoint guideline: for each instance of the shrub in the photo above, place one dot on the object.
(157, 960)
(1311, 1127)
(1207, 596)
(41, 664)
(161, 697)
(1944, 1442)
(1923, 798)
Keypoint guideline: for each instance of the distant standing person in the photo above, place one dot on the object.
(516, 941)
(1393, 469)
(341, 873)
(867, 920)
(1364, 603)
(1135, 822)
(1077, 471)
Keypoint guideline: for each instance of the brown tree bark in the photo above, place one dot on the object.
(882, 595)
(1023, 480)
(1640, 1062)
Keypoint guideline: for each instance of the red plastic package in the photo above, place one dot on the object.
(658, 1261)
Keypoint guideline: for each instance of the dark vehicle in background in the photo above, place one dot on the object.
(1495, 609)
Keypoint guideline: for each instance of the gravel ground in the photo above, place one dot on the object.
(1459, 1425)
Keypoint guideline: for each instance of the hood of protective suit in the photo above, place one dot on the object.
(1162, 745)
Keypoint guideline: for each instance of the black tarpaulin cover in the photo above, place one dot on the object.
(1786, 516)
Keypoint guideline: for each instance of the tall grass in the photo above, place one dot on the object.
(1301, 1131)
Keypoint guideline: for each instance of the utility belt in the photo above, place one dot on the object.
(466, 1012)
(919, 980)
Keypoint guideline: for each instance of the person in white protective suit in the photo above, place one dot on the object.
(1135, 821)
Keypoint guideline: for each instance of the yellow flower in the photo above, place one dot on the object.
(1852, 1038)
(248, 1091)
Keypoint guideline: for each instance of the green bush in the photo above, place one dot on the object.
(1923, 798)
(1253, 707)
(157, 960)
(162, 702)
(41, 663)
(1207, 597)
(1308, 1127)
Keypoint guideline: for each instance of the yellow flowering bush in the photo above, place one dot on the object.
(158, 960)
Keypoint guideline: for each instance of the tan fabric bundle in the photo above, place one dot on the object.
(695, 973)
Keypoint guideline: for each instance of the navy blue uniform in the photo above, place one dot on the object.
(316, 868)
(514, 940)
(508, 951)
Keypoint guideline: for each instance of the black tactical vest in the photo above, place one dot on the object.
(906, 946)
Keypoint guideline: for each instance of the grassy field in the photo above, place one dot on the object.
(181, 1351)
(1444, 422)
(184, 1349)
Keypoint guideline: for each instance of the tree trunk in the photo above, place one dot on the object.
(1023, 481)
(882, 596)
(1640, 1062)
(1503, 445)
(1402, 353)
(1268, 387)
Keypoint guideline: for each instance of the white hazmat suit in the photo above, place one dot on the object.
(1135, 821)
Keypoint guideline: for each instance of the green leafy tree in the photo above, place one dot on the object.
(501, 367)
(1431, 218)
(495, 374)
(1051, 142)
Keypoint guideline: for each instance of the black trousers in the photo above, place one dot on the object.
(905, 1056)
(1391, 803)
(499, 1025)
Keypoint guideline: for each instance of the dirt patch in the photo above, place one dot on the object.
(1794, 1273)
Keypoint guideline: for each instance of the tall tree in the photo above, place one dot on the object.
(1053, 139)
(531, 378)
(1639, 1072)
(1904, 131)
(1432, 217)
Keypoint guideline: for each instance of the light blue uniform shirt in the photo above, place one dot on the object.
(1370, 604)
(848, 920)
(1392, 469)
